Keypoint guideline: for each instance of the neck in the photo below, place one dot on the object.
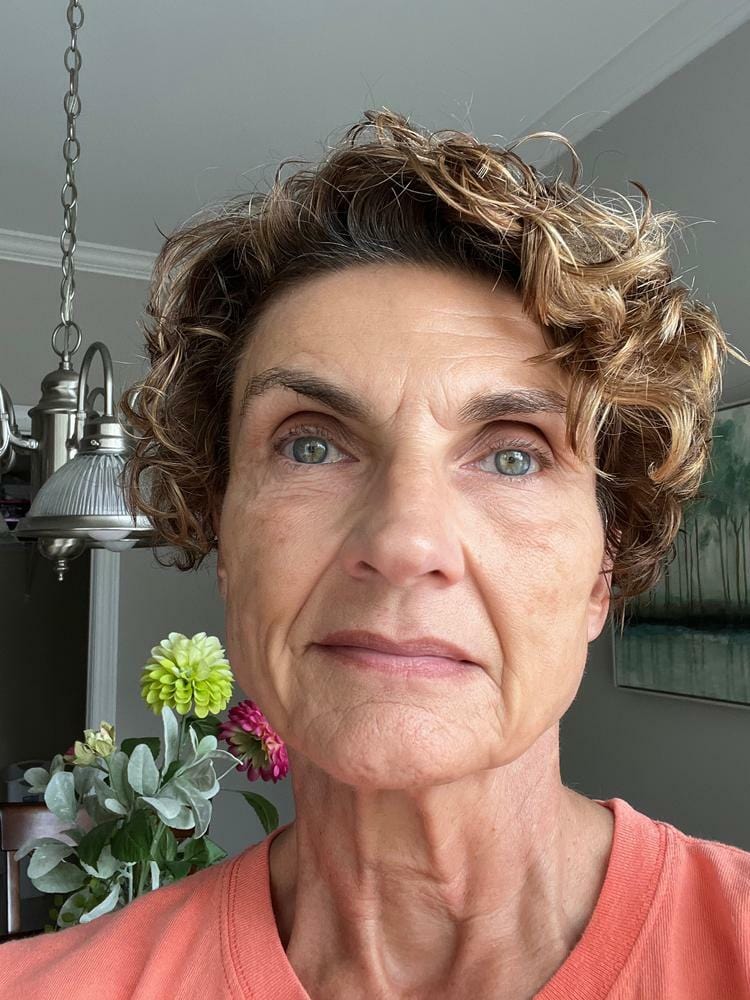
(447, 890)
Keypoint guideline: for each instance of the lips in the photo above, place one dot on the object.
(421, 646)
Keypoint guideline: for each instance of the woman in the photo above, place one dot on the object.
(440, 416)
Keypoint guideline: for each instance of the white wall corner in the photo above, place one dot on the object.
(686, 31)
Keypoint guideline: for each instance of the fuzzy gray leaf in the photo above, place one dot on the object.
(60, 796)
(46, 857)
(108, 904)
(65, 877)
(143, 774)
(171, 735)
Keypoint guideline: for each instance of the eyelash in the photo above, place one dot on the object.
(509, 444)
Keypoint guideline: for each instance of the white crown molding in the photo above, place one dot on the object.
(31, 248)
(665, 47)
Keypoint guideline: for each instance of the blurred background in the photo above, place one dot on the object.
(186, 104)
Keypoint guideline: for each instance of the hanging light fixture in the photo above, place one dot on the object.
(77, 453)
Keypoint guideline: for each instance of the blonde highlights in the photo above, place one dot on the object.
(644, 358)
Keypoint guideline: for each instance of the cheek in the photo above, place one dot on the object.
(269, 534)
(274, 552)
(540, 579)
(549, 554)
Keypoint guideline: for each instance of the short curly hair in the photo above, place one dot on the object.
(645, 359)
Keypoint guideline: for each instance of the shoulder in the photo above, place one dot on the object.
(116, 947)
(710, 871)
(706, 893)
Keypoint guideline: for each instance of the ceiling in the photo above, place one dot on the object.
(186, 103)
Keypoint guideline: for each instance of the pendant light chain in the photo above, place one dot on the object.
(69, 192)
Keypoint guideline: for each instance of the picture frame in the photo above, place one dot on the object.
(689, 636)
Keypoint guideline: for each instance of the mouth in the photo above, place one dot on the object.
(427, 645)
(426, 655)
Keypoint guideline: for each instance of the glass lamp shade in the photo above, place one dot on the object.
(84, 500)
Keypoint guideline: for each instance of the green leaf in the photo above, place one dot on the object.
(91, 846)
(143, 774)
(65, 877)
(205, 727)
(59, 796)
(214, 852)
(179, 869)
(152, 742)
(194, 851)
(266, 811)
(174, 766)
(164, 846)
(73, 907)
(133, 841)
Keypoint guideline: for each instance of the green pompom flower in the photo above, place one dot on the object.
(182, 671)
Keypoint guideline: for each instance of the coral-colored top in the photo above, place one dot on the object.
(672, 922)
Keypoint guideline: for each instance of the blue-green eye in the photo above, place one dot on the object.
(513, 459)
(309, 450)
(512, 462)
(310, 445)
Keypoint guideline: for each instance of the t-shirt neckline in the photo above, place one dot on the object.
(262, 970)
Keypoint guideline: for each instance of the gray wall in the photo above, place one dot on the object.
(687, 142)
(106, 308)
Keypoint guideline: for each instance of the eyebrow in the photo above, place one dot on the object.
(481, 407)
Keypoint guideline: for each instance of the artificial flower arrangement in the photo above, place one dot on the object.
(139, 813)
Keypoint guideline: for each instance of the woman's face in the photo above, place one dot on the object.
(409, 520)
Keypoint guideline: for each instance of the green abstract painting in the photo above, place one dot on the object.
(690, 634)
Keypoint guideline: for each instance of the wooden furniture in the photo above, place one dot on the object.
(19, 822)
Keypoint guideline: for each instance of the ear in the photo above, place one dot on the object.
(600, 595)
(221, 573)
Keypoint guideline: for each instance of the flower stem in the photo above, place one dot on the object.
(141, 865)
(179, 738)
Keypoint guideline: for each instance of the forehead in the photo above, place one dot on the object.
(421, 318)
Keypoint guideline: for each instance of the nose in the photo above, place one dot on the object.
(407, 528)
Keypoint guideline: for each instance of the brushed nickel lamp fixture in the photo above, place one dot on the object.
(77, 453)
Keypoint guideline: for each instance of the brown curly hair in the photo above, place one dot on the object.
(645, 360)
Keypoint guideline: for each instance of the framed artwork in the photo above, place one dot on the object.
(689, 636)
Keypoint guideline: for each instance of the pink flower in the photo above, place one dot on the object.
(250, 737)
